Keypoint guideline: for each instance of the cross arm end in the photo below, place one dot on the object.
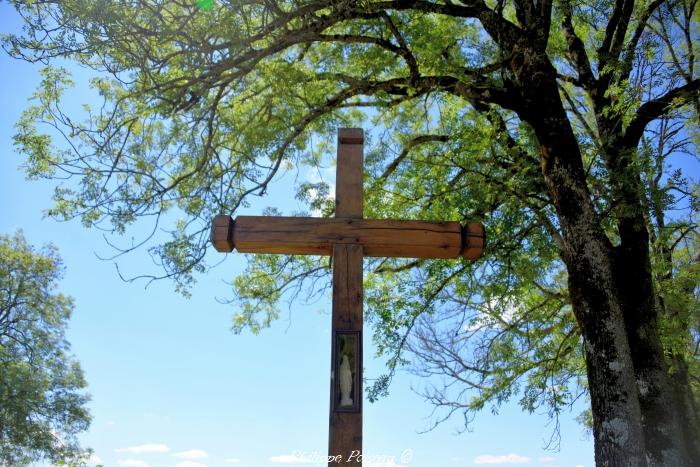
(351, 136)
(473, 240)
(222, 233)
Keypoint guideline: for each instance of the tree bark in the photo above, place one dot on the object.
(636, 409)
(588, 255)
(669, 439)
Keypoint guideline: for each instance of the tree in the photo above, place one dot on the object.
(554, 122)
(41, 385)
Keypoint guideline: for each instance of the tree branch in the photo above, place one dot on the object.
(403, 49)
(656, 108)
(615, 32)
(544, 22)
(634, 41)
(577, 53)
(418, 140)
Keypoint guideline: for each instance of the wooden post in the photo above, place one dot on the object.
(348, 238)
(345, 427)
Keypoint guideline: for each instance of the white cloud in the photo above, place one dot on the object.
(132, 463)
(493, 314)
(232, 460)
(192, 454)
(145, 448)
(323, 175)
(190, 464)
(289, 459)
(507, 459)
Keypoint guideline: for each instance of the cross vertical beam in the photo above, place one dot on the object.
(348, 176)
(345, 427)
(348, 238)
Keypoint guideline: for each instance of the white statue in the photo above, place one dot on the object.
(345, 382)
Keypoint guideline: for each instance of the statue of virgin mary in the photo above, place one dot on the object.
(345, 382)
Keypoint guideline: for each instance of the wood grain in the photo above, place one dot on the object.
(345, 428)
(316, 236)
(473, 240)
(222, 233)
(348, 179)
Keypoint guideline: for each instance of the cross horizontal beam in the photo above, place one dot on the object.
(316, 236)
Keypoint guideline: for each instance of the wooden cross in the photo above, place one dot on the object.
(347, 237)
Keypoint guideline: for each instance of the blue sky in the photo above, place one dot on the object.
(171, 386)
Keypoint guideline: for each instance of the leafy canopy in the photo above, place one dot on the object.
(205, 102)
(41, 384)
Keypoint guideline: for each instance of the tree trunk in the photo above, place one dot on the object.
(636, 414)
(617, 419)
(588, 255)
(667, 441)
(680, 376)
(690, 418)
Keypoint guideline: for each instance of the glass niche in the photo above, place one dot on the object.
(347, 358)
